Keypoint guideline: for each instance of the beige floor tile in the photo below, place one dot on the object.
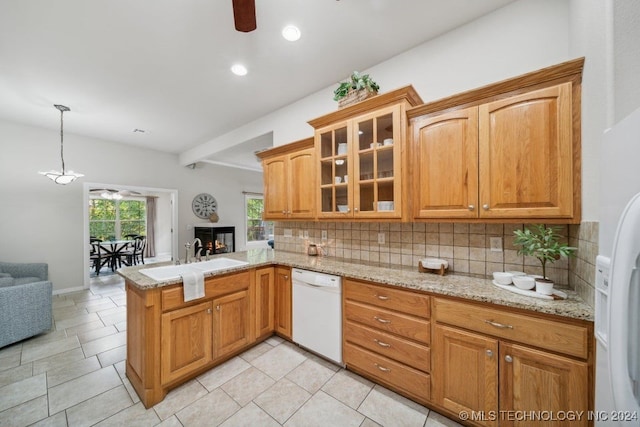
(388, 408)
(369, 423)
(17, 393)
(103, 344)
(98, 305)
(64, 313)
(59, 302)
(135, 415)
(179, 398)
(112, 356)
(437, 420)
(112, 311)
(349, 388)
(58, 360)
(274, 340)
(76, 330)
(99, 408)
(76, 321)
(278, 361)
(25, 414)
(170, 422)
(249, 384)
(94, 334)
(323, 410)
(210, 410)
(112, 319)
(132, 392)
(250, 416)
(57, 420)
(78, 390)
(257, 351)
(10, 357)
(282, 400)
(16, 374)
(31, 352)
(121, 368)
(310, 375)
(121, 326)
(71, 371)
(219, 375)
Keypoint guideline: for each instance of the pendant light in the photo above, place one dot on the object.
(63, 177)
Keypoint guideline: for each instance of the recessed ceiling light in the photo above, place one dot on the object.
(291, 33)
(239, 70)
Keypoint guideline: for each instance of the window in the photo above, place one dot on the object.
(258, 230)
(113, 219)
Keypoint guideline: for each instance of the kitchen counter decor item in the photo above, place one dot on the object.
(543, 243)
(433, 265)
(357, 88)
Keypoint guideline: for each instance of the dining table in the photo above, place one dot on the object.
(113, 248)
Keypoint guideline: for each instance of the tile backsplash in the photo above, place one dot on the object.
(582, 268)
(467, 247)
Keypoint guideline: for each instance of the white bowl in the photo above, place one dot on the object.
(343, 208)
(385, 206)
(524, 282)
(517, 273)
(502, 278)
(388, 141)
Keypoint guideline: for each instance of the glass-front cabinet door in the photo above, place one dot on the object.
(360, 166)
(377, 160)
(335, 170)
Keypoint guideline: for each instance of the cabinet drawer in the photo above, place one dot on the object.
(544, 333)
(411, 354)
(213, 287)
(392, 299)
(406, 326)
(388, 371)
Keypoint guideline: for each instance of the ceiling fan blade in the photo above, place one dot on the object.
(244, 15)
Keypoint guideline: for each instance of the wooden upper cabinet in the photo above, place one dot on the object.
(526, 155)
(509, 151)
(289, 176)
(361, 158)
(445, 164)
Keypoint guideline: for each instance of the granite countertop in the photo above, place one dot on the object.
(454, 285)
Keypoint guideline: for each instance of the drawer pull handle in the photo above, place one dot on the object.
(498, 325)
(382, 297)
(508, 358)
(381, 344)
(382, 368)
(381, 320)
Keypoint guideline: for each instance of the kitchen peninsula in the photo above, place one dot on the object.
(170, 341)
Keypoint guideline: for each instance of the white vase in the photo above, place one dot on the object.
(544, 287)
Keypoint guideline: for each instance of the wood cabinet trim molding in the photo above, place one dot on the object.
(406, 93)
(564, 72)
(287, 148)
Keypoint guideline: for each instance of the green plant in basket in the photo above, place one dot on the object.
(356, 82)
(543, 243)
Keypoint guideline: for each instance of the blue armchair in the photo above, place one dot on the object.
(25, 301)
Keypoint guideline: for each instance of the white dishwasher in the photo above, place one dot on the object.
(317, 313)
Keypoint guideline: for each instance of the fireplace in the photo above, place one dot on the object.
(218, 240)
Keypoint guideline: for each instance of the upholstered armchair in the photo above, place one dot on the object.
(25, 301)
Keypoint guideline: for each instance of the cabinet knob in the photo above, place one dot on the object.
(508, 358)
(356, 209)
(284, 212)
(208, 311)
(348, 209)
(289, 212)
(471, 207)
(218, 307)
(286, 277)
(489, 353)
(485, 207)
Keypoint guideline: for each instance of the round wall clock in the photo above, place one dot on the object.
(204, 205)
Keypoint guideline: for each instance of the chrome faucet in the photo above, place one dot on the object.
(198, 248)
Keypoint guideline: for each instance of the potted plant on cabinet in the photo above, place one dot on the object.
(543, 243)
(357, 88)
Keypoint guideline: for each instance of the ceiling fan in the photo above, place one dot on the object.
(113, 194)
(244, 15)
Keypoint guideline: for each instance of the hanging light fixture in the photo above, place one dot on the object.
(63, 177)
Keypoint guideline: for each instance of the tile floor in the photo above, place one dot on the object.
(75, 376)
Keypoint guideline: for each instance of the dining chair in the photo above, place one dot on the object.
(99, 256)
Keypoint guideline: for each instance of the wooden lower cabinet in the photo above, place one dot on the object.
(283, 307)
(498, 382)
(186, 341)
(265, 303)
(465, 371)
(232, 323)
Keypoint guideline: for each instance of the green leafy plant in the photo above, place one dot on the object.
(543, 243)
(356, 82)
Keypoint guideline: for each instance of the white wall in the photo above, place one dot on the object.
(521, 37)
(43, 222)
